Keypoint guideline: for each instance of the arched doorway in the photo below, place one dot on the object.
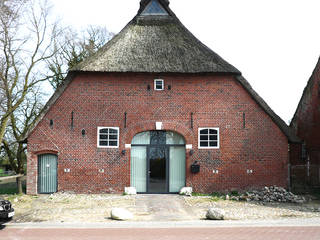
(158, 162)
(47, 173)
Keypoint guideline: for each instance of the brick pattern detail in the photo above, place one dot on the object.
(101, 99)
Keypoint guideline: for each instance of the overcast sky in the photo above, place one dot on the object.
(274, 43)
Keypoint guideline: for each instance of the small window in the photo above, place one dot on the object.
(154, 8)
(208, 138)
(158, 84)
(108, 137)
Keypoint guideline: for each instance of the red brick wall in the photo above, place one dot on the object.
(216, 101)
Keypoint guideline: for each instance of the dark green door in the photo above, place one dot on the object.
(47, 173)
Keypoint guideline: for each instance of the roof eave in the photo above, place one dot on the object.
(287, 131)
(50, 102)
(310, 81)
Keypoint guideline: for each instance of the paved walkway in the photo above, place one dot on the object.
(164, 207)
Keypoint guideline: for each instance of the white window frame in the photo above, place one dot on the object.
(218, 137)
(98, 137)
(155, 84)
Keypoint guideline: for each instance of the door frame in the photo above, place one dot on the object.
(167, 165)
(38, 175)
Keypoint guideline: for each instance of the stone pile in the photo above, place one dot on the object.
(270, 194)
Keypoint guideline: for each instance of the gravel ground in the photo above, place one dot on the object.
(72, 208)
(255, 210)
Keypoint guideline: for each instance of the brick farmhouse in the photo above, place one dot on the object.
(157, 110)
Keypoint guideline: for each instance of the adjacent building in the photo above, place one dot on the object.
(305, 157)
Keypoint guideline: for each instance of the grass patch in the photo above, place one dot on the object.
(215, 197)
(234, 193)
(11, 188)
(4, 175)
(200, 194)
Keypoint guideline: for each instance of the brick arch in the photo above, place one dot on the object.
(46, 151)
(167, 126)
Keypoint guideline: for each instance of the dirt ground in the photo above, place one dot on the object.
(74, 208)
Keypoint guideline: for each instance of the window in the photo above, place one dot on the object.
(108, 137)
(158, 84)
(154, 8)
(208, 138)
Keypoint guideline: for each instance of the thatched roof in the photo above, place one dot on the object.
(160, 44)
(306, 96)
(156, 44)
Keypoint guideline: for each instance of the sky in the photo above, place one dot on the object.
(274, 43)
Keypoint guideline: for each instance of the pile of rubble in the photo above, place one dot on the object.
(270, 194)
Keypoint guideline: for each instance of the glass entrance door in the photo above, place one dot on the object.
(158, 158)
(158, 162)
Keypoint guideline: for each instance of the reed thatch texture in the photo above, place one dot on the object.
(156, 44)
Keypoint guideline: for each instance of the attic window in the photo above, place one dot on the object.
(158, 84)
(154, 8)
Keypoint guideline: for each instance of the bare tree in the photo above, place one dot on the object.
(26, 42)
(73, 47)
(21, 120)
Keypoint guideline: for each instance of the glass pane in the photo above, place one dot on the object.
(157, 177)
(177, 171)
(103, 136)
(214, 137)
(204, 131)
(174, 138)
(113, 137)
(213, 131)
(213, 144)
(112, 130)
(104, 130)
(204, 144)
(141, 138)
(113, 143)
(154, 8)
(158, 137)
(103, 143)
(204, 137)
(139, 168)
(159, 87)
